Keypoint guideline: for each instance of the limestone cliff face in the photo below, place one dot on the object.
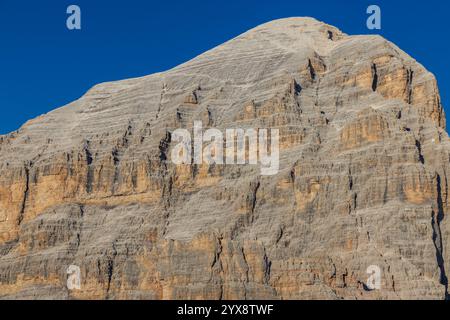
(363, 180)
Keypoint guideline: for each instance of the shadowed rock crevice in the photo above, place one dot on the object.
(419, 150)
(110, 267)
(374, 77)
(409, 85)
(90, 169)
(437, 218)
(25, 194)
(312, 72)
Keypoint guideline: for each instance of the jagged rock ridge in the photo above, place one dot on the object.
(363, 179)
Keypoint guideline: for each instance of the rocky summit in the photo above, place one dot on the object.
(362, 180)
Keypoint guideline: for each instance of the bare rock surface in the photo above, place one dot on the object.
(363, 179)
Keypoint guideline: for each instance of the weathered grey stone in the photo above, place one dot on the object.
(363, 179)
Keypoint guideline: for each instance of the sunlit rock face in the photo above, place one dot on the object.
(363, 179)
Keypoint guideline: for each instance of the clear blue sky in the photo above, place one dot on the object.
(44, 66)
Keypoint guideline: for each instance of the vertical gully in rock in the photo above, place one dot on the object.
(90, 170)
(409, 87)
(419, 149)
(110, 266)
(312, 72)
(374, 77)
(437, 236)
(25, 194)
(253, 198)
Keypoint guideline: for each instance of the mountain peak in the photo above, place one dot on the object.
(302, 23)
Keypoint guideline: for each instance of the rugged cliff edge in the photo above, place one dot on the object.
(363, 179)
